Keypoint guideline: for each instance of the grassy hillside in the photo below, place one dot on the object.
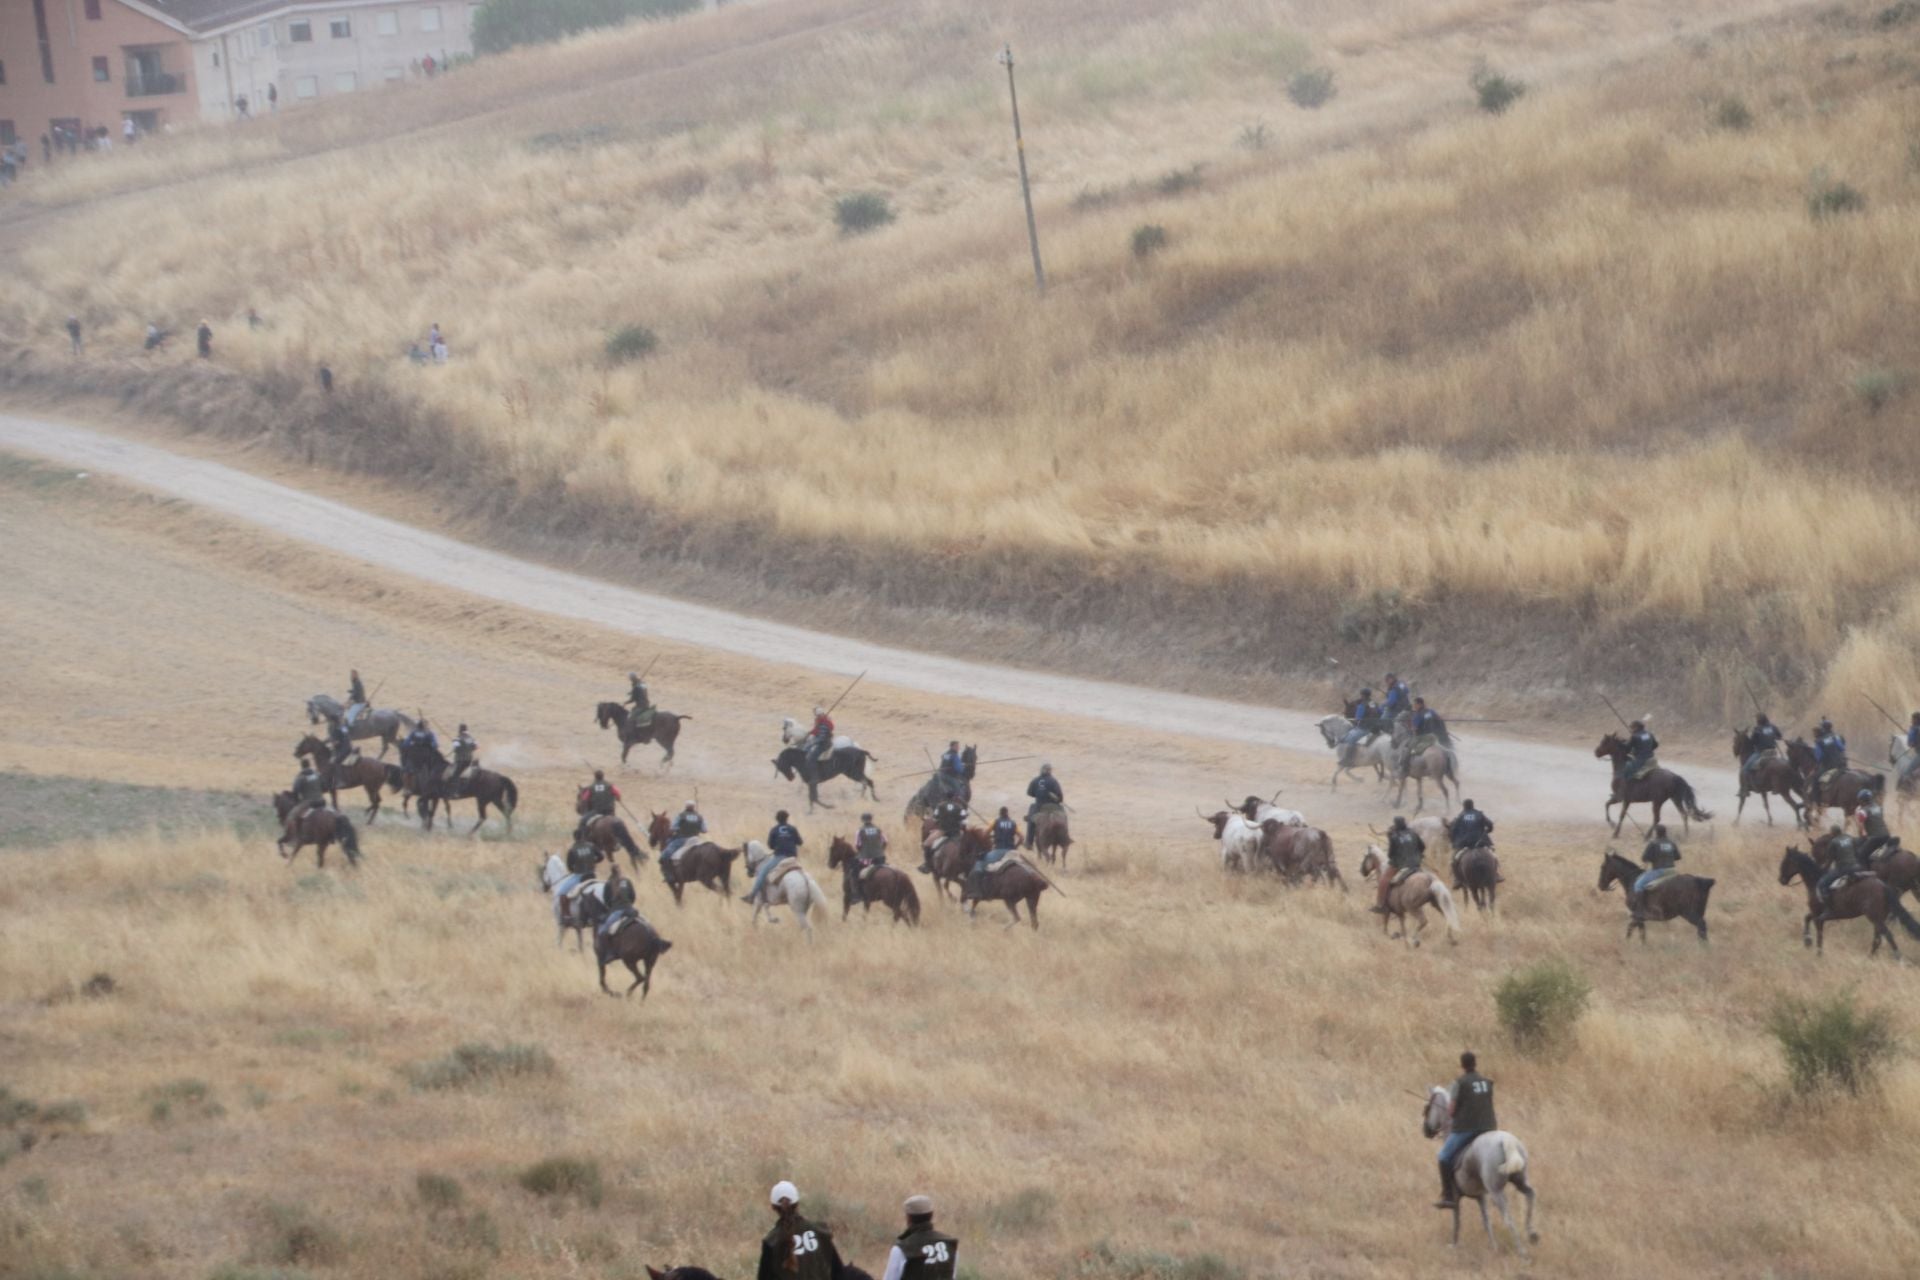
(1589, 376)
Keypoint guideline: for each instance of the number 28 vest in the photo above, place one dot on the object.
(930, 1255)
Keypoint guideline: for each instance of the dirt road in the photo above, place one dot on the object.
(1547, 780)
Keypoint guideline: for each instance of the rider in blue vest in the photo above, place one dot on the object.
(1913, 749)
(1044, 790)
(1842, 858)
(1366, 722)
(341, 743)
(1641, 744)
(1762, 741)
(1661, 854)
(784, 841)
(953, 770)
(1006, 838)
(1398, 699)
(687, 828)
(1829, 748)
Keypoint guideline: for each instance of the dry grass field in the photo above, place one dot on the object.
(1592, 363)
(1180, 1077)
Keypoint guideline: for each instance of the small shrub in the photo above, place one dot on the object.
(1829, 198)
(861, 211)
(1878, 387)
(1148, 240)
(185, 1095)
(1732, 115)
(1090, 198)
(1832, 1043)
(1895, 15)
(70, 1114)
(15, 1109)
(1254, 137)
(631, 342)
(471, 1065)
(565, 1176)
(1178, 181)
(1380, 620)
(437, 1191)
(1026, 1210)
(1539, 1005)
(1494, 91)
(290, 1235)
(1311, 87)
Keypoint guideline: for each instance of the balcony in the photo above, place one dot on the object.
(151, 84)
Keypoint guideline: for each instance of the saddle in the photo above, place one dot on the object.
(780, 867)
(1846, 878)
(868, 868)
(1635, 772)
(1048, 810)
(1400, 877)
(1660, 877)
(619, 921)
(579, 890)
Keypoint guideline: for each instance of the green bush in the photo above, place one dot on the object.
(631, 342)
(1539, 1005)
(1311, 87)
(1732, 115)
(565, 1176)
(1832, 1043)
(861, 211)
(1149, 240)
(437, 1190)
(478, 1064)
(1254, 137)
(1494, 91)
(1178, 181)
(1829, 198)
(501, 24)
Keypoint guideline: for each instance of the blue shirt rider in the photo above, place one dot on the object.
(1661, 854)
(1365, 716)
(1913, 749)
(1398, 700)
(1762, 741)
(341, 742)
(1829, 748)
(1005, 833)
(1842, 858)
(687, 827)
(953, 769)
(1044, 790)
(783, 841)
(1471, 829)
(1641, 744)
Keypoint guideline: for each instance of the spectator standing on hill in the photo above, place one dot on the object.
(46, 149)
(73, 332)
(273, 97)
(437, 343)
(326, 380)
(129, 131)
(203, 339)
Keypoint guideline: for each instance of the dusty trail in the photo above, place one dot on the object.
(1544, 780)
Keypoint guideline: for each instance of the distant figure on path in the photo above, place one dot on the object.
(273, 97)
(326, 380)
(437, 343)
(240, 107)
(73, 332)
(203, 339)
(155, 336)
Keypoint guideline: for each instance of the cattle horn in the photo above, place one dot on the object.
(1231, 805)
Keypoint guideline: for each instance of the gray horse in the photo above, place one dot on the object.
(384, 723)
(1493, 1162)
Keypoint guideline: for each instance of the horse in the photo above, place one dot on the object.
(1897, 868)
(953, 857)
(1842, 790)
(1675, 897)
(484, 787)
(1491, 1163)
(1868, 897)
(892, 887)
(368, 774)
(792, 887)
(1658, 788)
(321, 828)
(1299, 852)
(606, 833)
(1775, 775)
(1239, 839)
(841, 762)
(1477, 870)
(698, 862)
(1011, 881)
(383, 723)
(1376, 751)
(935, 789)
(576, 911)
(1436, 762)
(1418, 891)
(663, 731)
(636, 944)
(1051, 839)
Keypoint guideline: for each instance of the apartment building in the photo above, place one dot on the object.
(72, 66)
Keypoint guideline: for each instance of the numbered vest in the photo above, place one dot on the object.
(1473, 1110)
(809, 1247)
(930, 1255)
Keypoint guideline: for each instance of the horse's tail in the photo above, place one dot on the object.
(510, 794)
(349, 839)
(1443, 899)
(1513, 1160)
(396, 777)
(910, 899)
(1905, 917)
(1683, 791)
(817, 897)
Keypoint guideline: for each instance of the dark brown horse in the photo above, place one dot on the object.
(607, 833)
(1298, 853)
(843, 762)
(663, 731)
(482, 786)
(1868, 897)
(636, 944)
(1898, 868)
(364, 772)
(1012, 882)
(1677, 897)
(1051, 838)
(319, 828)
(953, 858)
(1841, 791)
(1477, 870)
(1659, 788)
(889, 886)
(703, 862)
(1773, 776)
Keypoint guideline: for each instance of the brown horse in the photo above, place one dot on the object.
(1477, 870)
(482, 786)
(364, 772)
(1775, 775)
(1659, 788)
(636, 944)
(704, 862)
(1676, 897)
(1435, 763)
(1012, 882)
(1410, 898)
(1298, 853)
(663, 732)
(953, 858)
(1898, 868)
(1050, 835)
(320, 828)
(607, 833)
(1868, 897)
(893, 888)
(1841, 791)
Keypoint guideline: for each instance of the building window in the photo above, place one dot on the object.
(266, 35)
(46, 40)
(386, 24)
(93, 10)
(341, 28)
(7, 136)
(300, 32)
(430, 18)
(100, 73)
(345, 82)
(306, 86)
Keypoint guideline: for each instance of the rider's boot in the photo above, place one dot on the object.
(1379, 908)
(1449, 1193)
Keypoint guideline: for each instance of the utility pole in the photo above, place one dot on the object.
(1026, 191)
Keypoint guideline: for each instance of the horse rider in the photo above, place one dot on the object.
(1763, 740)
(422, 738)
(1367, 722)
(1829, 749)
(639, 700)
(1913, 749)
(1639, 760)
(1405, 850)
(1470, 830)
(340, 744)
(1871, 820)
(819, 742)
(783, 839)
(583, 862)
(1045, 792)
(920, 1252)
(464, 748)
(1470, 1104)
(620, 908)
(356, 696)
(869, 851)
(1659, 858)
(1006, 838)
(309, 793)
(688, 826)
(1398, 700)
(953, 770)
(597, 799)
(797, 1249)
(1843, 858)
(1428, 729)
(949, 820)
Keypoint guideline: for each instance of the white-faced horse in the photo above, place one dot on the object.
(1239, 839)
(1491, 1163)
(569, 909)
(792, 887)
(1418, 891)
(1377, 751)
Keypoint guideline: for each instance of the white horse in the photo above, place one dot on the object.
(558, 881)
(1239, 839)
(792, 887)
(1378, 752)
(1900, 757)
(1491, 1163)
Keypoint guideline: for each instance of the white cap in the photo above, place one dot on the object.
(784, 1193)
